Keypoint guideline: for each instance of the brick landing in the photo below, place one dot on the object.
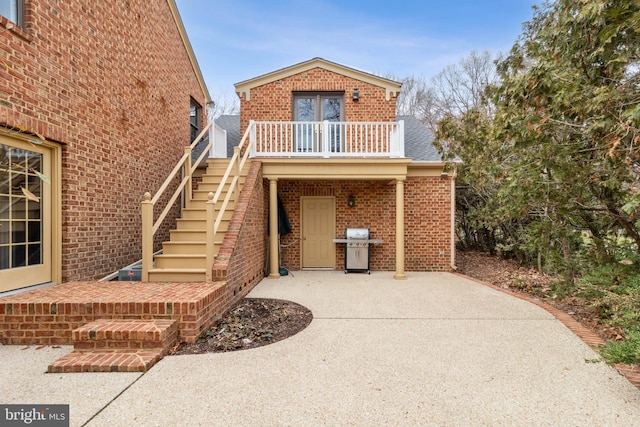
(49, 315)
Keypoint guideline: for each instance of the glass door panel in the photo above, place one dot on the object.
(332, 112)
(305, 112)
(310, 110)
(25, 210)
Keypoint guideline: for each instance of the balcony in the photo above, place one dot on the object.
(327, 139)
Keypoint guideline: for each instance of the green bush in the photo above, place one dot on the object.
(614, 290)
(627, 351)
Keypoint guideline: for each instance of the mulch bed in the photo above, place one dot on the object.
(253, 322)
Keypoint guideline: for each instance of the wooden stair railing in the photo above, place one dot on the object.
(236, 164)
(149, 227)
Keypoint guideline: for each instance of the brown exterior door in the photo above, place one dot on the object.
(318, 232)
(25, 214)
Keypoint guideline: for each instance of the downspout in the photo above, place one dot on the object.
(453, 221)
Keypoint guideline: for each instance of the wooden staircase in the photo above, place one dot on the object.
(183, 257)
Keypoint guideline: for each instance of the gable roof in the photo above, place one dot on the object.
(189, 49)
(246, 85)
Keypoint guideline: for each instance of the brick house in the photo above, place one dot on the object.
(326, 142)
(96, 114)
(100, 98)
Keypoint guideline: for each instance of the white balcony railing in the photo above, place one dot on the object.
(327, 139)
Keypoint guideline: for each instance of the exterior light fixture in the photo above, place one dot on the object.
(351, 201)
(356, 95)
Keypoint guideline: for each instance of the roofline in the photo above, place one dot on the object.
(428, 163)
(190, 53)
(245, 86)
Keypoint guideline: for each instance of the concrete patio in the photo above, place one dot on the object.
(434, 350)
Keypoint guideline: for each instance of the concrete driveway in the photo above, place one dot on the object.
(434, 350)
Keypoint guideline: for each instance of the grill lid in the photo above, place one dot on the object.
(357, 233)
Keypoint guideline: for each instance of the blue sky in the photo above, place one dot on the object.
(240, 39)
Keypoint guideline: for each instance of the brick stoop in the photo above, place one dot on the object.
(117, 345)
(47, 316)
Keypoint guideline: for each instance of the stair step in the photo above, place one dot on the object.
(180, 261)
(183, 248)
(201, 224)
(106, 361)
(215, 180)
(186, 247)
(118, 345)
(193, 213)
(177, 275)
(132, 334)
(204, 195)
(202, 204)
(194, 235)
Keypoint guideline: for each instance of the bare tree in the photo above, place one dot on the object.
(452, 92)
(462, 87)
(223, 104)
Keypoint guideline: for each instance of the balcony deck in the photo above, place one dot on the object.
(327, 139)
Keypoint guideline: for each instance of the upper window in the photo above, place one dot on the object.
(318, 106)
(310, 107)
(195, 118)
(13, 10)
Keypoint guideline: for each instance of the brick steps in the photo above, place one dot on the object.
(117, 345)
(48, 316)
(106, 361)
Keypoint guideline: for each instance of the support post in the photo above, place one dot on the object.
(400, 230)
(210, 236)
(274, 267)
(147, 236)
(187, 171)
(236, 150)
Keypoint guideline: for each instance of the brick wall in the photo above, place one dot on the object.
(427, 220)
(111, 82)
(241, 260)
(273, 101)
(427, 216)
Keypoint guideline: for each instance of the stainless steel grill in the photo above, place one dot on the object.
(356, 254)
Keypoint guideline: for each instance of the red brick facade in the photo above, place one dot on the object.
(427, 198)
(110, 81)
(274, 101)
(427, 219)
(241, 259)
